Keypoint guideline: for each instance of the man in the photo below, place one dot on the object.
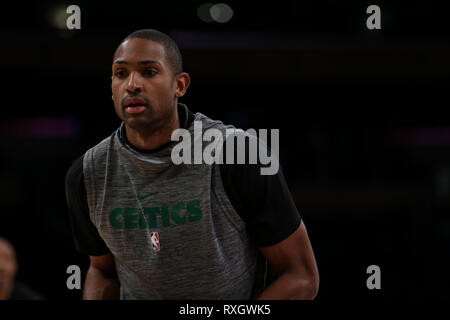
(156, 230)
(10, 287)
(8, 269)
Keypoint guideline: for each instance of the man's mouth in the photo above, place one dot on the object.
(135, 105)
(135, 109)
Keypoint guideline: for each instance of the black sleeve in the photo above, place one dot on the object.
(264, 202)
(86, 236)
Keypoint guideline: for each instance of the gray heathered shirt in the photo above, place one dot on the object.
(172, 230)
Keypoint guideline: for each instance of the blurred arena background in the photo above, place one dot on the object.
(364, 131)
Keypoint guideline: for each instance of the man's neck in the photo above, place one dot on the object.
(154, 139)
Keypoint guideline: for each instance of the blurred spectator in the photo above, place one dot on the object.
(10, 287)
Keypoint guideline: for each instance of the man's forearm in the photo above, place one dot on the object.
(291, 286)
(99, 286)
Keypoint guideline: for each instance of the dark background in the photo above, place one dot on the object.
(364, 131)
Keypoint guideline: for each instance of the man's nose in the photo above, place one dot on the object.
(134, 82)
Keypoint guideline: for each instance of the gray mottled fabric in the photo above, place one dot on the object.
(204, 251)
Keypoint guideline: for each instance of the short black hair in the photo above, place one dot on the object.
(173, 54)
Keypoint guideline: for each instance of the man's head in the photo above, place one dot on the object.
(147, 79)
(8, 263)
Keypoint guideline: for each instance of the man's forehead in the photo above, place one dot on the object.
(6, 247)
(136, 49)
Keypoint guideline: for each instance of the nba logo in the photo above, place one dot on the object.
(155, 241)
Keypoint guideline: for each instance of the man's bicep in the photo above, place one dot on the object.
(264, 202)
(293, 254)
(86, 237)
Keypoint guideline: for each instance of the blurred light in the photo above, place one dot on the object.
(426, 136)
(203, 12)
(59, 18)
(42, 127)
(221, 12)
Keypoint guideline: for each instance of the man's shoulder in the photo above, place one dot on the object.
(209, 123)
(102, 145)
(76, 169)
(100, 150)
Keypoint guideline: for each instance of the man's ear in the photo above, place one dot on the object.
(182, 81)
(111, 85)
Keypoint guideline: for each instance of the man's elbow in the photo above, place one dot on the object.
(313, 287)
(308, 287)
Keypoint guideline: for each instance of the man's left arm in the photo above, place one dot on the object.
(293, 262)
(274, 225)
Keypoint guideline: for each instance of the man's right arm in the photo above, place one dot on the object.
(101, 279)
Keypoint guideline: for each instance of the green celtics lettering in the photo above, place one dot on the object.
(147, 217)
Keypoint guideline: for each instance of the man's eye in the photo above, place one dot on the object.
(120, 73)
(149, 72)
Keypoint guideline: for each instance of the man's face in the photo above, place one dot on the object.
(143, 86)
(8, 263)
